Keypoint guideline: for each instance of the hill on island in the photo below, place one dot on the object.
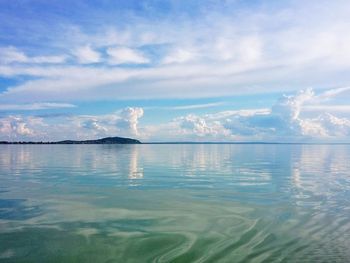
(107, 140)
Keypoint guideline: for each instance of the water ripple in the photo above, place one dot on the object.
(175, 203)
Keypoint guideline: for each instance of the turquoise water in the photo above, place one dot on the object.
(174, 203)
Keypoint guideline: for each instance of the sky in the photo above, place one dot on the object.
(218, 71)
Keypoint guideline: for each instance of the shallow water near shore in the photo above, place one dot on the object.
(174, 203)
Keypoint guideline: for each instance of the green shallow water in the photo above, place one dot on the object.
(174, 203)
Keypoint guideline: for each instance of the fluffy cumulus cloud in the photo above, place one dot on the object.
(129, 119)
(20, 128)
(121, 123)
(199, 127)
(288, 120)
(94, 124)
(324, 125)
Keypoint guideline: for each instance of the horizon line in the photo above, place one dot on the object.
(184, 142)
(243, 142)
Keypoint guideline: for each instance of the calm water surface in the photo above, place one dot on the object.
(175, 203)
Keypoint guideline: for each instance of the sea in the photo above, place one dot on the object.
(175, 203)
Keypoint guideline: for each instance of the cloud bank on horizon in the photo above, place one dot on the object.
(89, 69)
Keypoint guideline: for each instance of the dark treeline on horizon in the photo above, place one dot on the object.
(108, 140)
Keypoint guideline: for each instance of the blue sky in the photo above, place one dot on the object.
(175, 70)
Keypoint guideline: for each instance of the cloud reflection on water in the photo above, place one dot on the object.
(258, 201)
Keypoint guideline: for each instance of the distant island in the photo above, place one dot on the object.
(107, 140)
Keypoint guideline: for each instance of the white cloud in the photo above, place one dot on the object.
(179, 55)
(48, 59)
(122, 123)
(329, 94)
(221, 52)
(327, 108)
(188, 107)
(125, 55)
(196, 106)
(13, 55)
(19, 128)
(240, 49)
(286, 121)
(334, 126)
(227, 50)
(198, 126)
(129, 119)
(289, 107)
(36, 106)
(242, 113)
(187, 128)
(99, 128)
(87, 55)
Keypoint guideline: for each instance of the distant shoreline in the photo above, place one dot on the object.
(89, 142)
(107, 140)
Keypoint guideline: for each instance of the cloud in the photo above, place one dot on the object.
(179, 55)
(121, 123)
(87, 55)
(288, 120)
(186, 128)
(195, 125)
(289, 107)
(48, 59)
(192, 50)
(35, 106)
(242, 113)
(327, 108)
(196, 106)
(19, 127)
(240, 49)
(125, 55)
(228, 49)
(11, 54)
(189, 107)
(334, 92)
(129, 119)
(93, 124)
(334, 126)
